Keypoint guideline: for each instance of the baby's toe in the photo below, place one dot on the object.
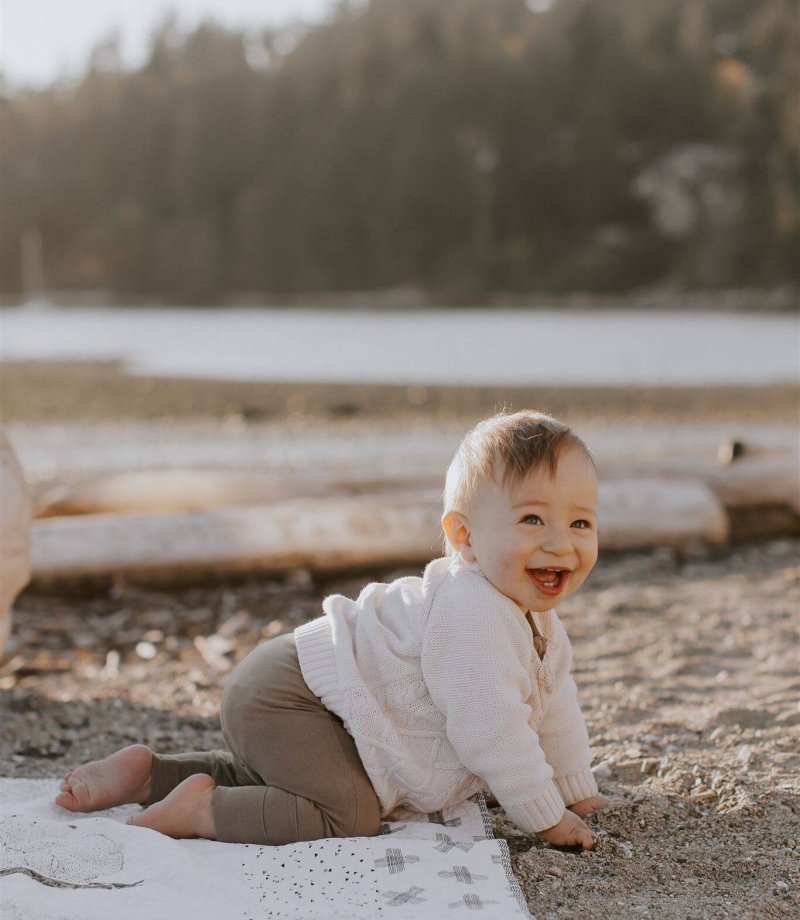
(66, 800)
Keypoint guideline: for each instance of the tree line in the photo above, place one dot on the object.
(456, 146)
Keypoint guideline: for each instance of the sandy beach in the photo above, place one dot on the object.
(687, 661)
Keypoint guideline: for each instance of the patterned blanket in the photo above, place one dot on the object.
(55, 865)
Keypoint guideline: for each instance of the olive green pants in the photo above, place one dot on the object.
(292, 773)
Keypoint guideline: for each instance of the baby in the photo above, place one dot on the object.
(418, 693)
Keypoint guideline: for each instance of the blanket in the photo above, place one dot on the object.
(55, 865)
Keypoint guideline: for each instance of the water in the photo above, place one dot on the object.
(481, 347)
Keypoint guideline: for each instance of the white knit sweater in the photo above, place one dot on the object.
(437, 680)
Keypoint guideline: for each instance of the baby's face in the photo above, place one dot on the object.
(537, 542)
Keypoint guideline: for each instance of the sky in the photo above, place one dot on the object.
(45, 40)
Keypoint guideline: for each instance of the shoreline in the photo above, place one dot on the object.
(100, 390)
(779, 299)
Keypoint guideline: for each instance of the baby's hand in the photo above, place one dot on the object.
(569, 832)
(594, 803)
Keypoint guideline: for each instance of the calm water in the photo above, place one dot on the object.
(503, 347)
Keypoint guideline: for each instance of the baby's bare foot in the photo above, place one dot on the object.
(185, 812)
(121, 779)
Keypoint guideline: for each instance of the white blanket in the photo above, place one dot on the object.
(55, 865)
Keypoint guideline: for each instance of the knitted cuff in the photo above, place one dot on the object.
(540, 813)
(574, 787)
(317, 661)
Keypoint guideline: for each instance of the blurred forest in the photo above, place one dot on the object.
(458, 147)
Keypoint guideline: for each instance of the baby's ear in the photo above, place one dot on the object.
(456, 528)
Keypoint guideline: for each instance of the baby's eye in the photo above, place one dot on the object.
(582, 525)
(531, 519)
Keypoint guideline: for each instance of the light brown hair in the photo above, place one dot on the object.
(504, 449)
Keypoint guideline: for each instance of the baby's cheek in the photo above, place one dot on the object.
(510, 566)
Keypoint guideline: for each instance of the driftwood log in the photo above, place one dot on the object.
(756, 480)
(319, 533)
(749, 482)
(15, 534)
(336, 532)
(175, 491)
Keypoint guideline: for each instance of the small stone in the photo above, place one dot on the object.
(69, 718)
(650, 738)
(110, 669)
(554, 870)
(300, 578)
(681, 780)
(235, 624)
(602, 770)
(219, 645)
(717, 733)
(625, 849)
(212, 657)
(664, 556)
(146, 650)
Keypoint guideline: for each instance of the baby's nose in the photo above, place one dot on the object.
(557, 541)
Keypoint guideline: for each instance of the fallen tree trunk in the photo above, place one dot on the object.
(335, 533)
(640, 513)
(319, 533)
(183, 490)
(756, 480)
(15, 534)
(751, 481)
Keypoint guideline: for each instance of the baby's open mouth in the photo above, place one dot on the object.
(549, 580)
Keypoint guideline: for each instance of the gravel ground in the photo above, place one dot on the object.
(689, 676)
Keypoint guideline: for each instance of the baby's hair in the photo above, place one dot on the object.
(504, 449)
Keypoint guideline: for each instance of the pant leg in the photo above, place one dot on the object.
(312, 783)
(171, 769)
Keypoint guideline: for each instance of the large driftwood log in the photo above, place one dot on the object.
(758, 479)
(15, 534)
(175, 491)
(636, 513)
(342, 532)
(749, 482)
(320, 533)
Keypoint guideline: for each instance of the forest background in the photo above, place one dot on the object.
(460, 149)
